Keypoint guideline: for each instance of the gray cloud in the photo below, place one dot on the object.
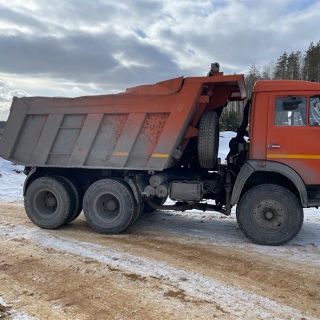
(105, 46)
(75, 54)
(80, 43)
(20, 19)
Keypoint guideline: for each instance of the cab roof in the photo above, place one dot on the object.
(285, 85)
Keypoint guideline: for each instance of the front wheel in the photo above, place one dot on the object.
(269, 215)
(108, 206)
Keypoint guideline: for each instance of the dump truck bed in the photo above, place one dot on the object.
(144, 128)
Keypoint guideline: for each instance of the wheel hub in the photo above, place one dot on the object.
(269, 215)
(50, 201)
(111, 205)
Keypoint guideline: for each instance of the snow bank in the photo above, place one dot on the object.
(11, 181)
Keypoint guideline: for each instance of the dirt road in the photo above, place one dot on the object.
(166, 266)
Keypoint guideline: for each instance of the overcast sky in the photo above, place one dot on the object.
(85, 47)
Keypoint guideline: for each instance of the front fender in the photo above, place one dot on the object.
(268, 166)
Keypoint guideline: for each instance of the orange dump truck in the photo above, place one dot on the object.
(116, 156)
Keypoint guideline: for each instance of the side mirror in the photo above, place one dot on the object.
(291, 103)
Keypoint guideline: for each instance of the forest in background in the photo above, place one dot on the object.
(289, 66)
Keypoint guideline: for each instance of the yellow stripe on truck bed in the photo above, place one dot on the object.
(160, 155)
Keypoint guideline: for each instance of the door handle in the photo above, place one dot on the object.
(273, 146)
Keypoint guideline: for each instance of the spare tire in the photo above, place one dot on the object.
(208, 139)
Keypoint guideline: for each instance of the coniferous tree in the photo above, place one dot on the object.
(251, 78)
(293, 69)
(312, 62)
(230, 120)
(281, 67)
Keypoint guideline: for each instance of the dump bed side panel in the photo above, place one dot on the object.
(105, 140)
(140, 129)
(120, 132)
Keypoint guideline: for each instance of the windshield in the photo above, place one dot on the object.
(314, 111)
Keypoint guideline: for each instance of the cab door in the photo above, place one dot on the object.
(293, 136)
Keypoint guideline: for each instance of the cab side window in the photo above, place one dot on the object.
(314, 111)
(294, 117)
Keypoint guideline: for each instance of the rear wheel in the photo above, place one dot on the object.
(108, 206)
(138, 207)
(76, 196)
(208, 139)
(47, 202)
(269, 215)
(138, 211)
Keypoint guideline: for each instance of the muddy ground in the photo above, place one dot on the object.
(166, 266)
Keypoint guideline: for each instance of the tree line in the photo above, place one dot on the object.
(289, 66)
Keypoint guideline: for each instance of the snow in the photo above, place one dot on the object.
(11, 181)
(14, 315)
(225, 137)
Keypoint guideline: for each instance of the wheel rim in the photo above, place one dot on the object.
(107, 207)
(269, 215)
(46, 203)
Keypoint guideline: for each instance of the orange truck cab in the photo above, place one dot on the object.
(117, 156)
(290, 135)
(286, 137)
(283, 159)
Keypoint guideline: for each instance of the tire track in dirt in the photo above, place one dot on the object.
(278, 278)
(269, 277)
(80, 289)
(180, 280)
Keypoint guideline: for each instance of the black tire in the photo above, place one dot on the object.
(108, 206)
(138, 208)
(47, 202)
(138, 211)
(269, 215)
(208, 139)
(76, 196)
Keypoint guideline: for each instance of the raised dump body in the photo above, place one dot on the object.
(144, 128)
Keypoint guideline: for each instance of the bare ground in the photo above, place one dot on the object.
(166, 266)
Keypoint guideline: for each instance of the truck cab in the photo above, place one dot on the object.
(291, 134)
(284, 153)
